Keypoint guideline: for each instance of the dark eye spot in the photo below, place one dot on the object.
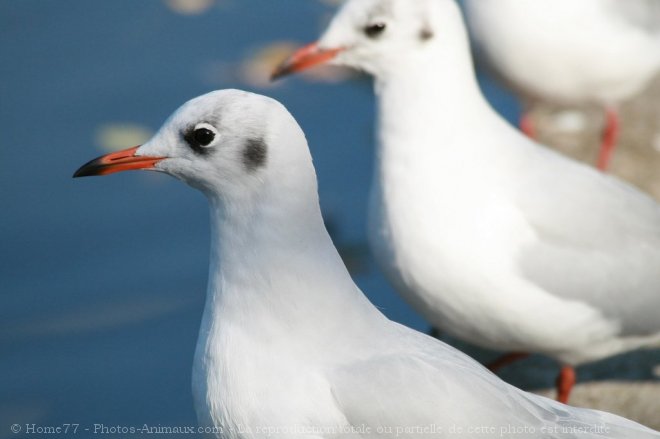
(375, 29)
(203, 136)
(425, 34)
(254, 154)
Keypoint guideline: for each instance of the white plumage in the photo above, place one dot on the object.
(571, 52)
(491, 236)
(566, 51)
(289, 346)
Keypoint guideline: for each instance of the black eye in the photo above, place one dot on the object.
(373, 30)
(203, 136)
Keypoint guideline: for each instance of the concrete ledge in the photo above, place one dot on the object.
(639, 401)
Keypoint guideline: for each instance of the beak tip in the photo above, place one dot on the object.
(80, 173)
(124, 160)
(87, 170)
(283, 69)
(304, 58)
(277, 74)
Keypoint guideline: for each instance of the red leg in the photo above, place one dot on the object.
(610, 138)
(527, 126)
(506, 359)
(565, 382)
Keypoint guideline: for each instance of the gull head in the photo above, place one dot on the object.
(230, 144)
(376, 36)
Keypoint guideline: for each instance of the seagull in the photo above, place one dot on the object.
(571, 52)
(492, 237)
(288, 345)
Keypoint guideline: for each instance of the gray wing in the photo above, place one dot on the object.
(598, 240)
(434, 387)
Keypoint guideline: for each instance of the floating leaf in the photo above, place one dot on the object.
(255, 70)
(189, 7)
(116, 136)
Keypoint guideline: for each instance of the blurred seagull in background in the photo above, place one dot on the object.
(494, 238)
(288, 345)
(571, 52)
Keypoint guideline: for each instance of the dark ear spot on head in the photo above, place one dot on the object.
(254, 154)
(425, 34)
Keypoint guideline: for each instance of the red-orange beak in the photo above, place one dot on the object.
(124, 160)
(304, 58)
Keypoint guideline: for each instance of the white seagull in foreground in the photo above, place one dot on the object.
(571, 52)
(289, 346)
(492, 237)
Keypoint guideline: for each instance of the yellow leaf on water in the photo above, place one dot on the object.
(189, 7)
(116, 136)
(256, 68)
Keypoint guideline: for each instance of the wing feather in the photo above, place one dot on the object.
(597, 240)
(432, 388)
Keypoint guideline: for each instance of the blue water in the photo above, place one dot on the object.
(102, 280)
